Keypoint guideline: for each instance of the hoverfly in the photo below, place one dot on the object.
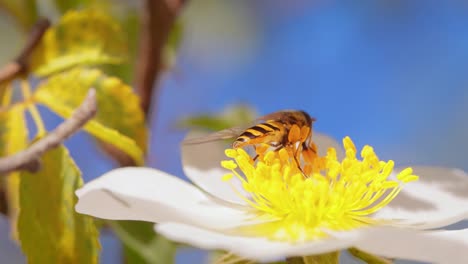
(289, 129)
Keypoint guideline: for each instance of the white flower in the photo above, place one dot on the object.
(264, 223)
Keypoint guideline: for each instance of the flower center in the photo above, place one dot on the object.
(301, 201)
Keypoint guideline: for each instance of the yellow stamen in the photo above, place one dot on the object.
(324, 194)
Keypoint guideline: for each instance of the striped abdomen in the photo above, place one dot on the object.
(267, 132)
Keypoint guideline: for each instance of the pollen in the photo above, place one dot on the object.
(301, 202)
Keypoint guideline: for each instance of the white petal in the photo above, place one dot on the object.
(151, 195)
(253, 248)
(439, 198)
(202, 165)
(434, 246)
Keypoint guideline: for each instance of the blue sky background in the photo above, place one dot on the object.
(389, 73)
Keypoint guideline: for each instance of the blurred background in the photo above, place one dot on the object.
(389, 73)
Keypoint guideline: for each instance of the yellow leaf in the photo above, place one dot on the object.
(65, 5)
(50, 230)
(6, 92)
(119, 120)
(84, 37)
(13, 138)
(24, 11)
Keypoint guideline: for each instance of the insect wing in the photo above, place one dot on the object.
(218, 135)
(272, 116)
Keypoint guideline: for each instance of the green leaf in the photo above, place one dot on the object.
(234, 116)
(24, 11)
(86, 37)
(205, 122)
(142, 244)
(172, 45)
(119, 120)
(13, 138)
(66, 5)
(13, 130)
(50, 230)
(131, 25)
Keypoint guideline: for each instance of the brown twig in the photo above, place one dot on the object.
(9, 72)
(20, 65)
(34, 39)
(157, 20)
(158, 17)
(29, 159)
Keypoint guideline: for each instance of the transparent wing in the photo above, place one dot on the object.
(218, 135)
(273, 116)
(283, 115)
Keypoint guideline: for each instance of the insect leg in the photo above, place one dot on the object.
(295, 153)
(256, 156)
(288, 147)
(299, 165)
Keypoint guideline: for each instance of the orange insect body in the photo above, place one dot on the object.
(289, 129)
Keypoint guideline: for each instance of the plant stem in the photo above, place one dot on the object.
(367, 257)
(327, 258)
